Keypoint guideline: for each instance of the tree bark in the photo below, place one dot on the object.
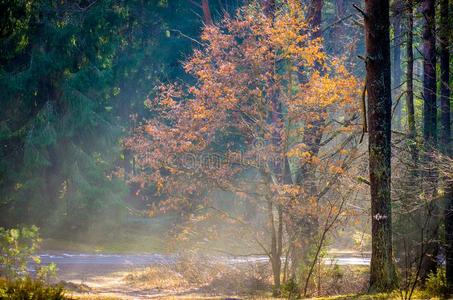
(340, 9)
(207, 17)
(378, 86)
(276, 244)
(269, 7)
(397, 15)
(314, 16)
(445, 119)
(412, 131)
(445, 135)
(339, 31)
(429, 74)
(429, 263)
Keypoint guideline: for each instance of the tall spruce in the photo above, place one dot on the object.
(71, 77)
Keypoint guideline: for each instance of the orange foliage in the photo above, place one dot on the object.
(244, 65)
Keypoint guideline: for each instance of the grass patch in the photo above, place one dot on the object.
(30, 289)
(418, 294)
(94, 297)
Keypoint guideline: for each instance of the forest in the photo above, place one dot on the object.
(226, 149)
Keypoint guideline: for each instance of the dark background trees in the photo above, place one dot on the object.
(72, 75)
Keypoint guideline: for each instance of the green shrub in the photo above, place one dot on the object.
(290, 290)
(436, 284)
(29, 289)
(17, 249)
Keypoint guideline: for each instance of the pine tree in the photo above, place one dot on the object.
(382, 273)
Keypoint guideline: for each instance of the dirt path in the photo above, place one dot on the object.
(106, 275)
(115, 285)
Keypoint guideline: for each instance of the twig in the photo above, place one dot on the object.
(186, 36)
(363, 107)
(360, 11)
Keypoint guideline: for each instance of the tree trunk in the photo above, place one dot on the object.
(276, 272)
(445, 127)
(307, 226)
(397, 14)
(276, 244)
(314, 16)
(412, 133)
(429, 74)
(279, 171)
(378, 86)
(313, 133)
(269, 7)
(339, 32)
(429, 263)
(445, 135)
(207, 17)
(340, 9)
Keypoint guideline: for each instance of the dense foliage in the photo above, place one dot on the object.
(71, 75)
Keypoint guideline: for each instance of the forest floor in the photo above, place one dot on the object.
(183, 281)
(196, 296)
(136, 263)
(192, 280)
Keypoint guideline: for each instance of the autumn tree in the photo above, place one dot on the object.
(248, 113)
(306, 173)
